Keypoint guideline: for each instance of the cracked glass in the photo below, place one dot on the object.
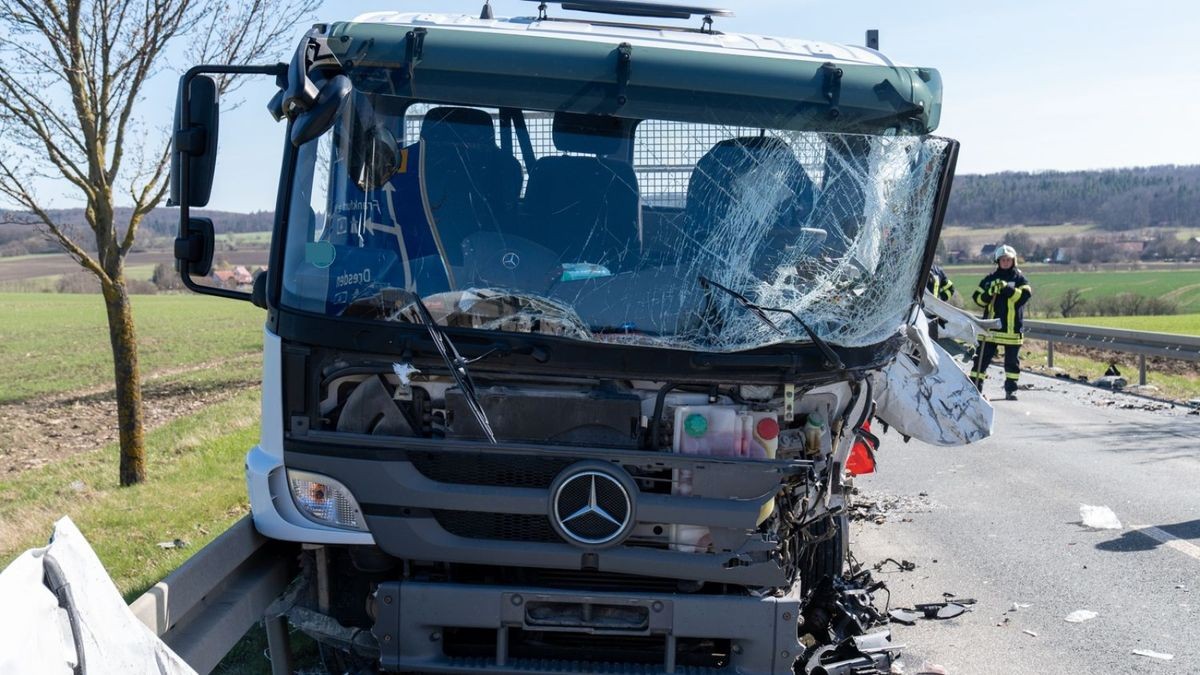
(601, 228)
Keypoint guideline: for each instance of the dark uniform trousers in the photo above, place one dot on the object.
(1012, 364)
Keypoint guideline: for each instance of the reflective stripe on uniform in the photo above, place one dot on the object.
(1003, 338)
(1012, 376)
(976, 375)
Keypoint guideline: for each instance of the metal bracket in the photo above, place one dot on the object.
(831, 87)
(624, 67)
(414, 50)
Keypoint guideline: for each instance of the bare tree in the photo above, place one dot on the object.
(1071, 302)
(71, 81)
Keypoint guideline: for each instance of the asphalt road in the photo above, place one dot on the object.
(999, 521)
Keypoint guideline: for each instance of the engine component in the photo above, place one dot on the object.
(597, 418)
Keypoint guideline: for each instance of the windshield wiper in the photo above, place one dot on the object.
(457, 365)
(832, 360)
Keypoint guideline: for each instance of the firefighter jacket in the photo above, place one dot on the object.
(1002, 295)
(939, 284)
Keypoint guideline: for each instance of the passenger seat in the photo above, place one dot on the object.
(585, 208)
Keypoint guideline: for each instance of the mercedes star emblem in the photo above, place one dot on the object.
(591, 507)
(510, 260)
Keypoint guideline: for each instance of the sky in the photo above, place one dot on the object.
(1030, 85)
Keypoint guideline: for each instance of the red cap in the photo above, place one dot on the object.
(767, 429)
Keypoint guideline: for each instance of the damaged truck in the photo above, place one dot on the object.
(576, 328)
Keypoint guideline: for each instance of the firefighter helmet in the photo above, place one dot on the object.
(1005, 250)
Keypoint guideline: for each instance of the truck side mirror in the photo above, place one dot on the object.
(194, 250)
(195, 144)
(318, 118)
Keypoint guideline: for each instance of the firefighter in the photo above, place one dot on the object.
(1002, 295)
(943, 289)
(939, 284)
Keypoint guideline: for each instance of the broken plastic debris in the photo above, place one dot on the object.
(405, 371)
(1079, 616)
(175, 543)
(1098, 517)
(1019, 606)
(930, 668)
(1029, 633)
(1153, 655)
(903, 616)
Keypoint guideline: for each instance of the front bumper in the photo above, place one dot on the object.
(464, 502)
(415, 623)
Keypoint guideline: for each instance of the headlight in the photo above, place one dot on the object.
(324, 500)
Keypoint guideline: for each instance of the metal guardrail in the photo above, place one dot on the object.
(1140, 342)
(207, 605)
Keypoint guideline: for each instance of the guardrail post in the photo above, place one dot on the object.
(1141, 369)
(278, 645)
(1049, 354)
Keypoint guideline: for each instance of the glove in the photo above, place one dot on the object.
(995, 286)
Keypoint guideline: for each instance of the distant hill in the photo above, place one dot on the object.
(158, 225)
(1115, 199)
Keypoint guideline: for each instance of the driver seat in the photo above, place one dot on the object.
(470, 183)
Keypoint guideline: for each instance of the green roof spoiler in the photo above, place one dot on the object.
(487, 68)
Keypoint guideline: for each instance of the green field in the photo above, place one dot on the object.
(1182, 286)
(53, 343)
(1181, 324)
(48, 283)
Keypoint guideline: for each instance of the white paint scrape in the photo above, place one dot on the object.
(1098, 517)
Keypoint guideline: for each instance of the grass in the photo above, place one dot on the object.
(53, 343)
(1182, 286)
(244, 238)
(195, 491)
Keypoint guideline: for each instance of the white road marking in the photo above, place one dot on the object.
(1184, 547)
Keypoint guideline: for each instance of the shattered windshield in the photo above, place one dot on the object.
(599, 228)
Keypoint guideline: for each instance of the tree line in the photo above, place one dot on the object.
(20, 234)
(1115, 199)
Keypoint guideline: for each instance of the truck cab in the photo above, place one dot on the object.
(573, 327)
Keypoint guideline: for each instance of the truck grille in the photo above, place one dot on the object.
(495, 470)
(502, 526)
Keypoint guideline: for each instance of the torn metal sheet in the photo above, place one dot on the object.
(923, 394)
(39, 635)
(958, 324)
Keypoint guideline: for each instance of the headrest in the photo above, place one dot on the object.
(469, 126)
(593, 134)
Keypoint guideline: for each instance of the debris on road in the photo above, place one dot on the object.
(902, 565)
(1113, 382)
(939, 611)
(877, 509)
(1029, 633)
(1098, 517)
(174, 543)
(1080, 615)
(929, 668)
(1153, 655)
(1016, 606)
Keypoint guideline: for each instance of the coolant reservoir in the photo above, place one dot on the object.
(708, 430)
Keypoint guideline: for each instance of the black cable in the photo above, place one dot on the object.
(56, 581)
(659, 402)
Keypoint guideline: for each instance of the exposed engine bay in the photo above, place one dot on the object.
(649, 489)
